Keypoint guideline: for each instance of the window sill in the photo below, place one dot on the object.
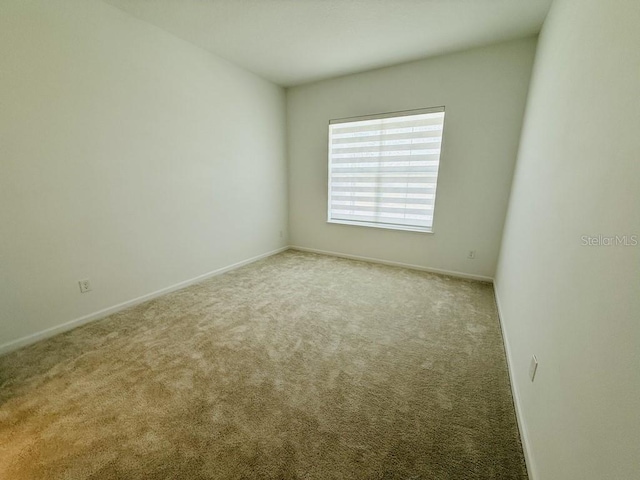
(385, 226)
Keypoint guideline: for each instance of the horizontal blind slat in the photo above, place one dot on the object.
(374, 199)
(347, 166)
(342, 180)
(386, 136)
(386, 191)
(434, 119)
(424, 148)
(348, 172)
(418, 220)
(388, 158)
(382, 212)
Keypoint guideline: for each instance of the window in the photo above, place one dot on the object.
(383, 169)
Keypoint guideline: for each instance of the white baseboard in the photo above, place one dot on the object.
(50, 332)
(524, 433)
(450, 273)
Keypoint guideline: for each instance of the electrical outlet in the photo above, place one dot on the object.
(280, 233)
(533, 367)
(471, 255)
(85, 285)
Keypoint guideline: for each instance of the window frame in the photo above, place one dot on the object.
(379, 116)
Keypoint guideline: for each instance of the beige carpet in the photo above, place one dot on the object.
(299, 366)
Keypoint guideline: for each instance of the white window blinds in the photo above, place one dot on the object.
(383, 169)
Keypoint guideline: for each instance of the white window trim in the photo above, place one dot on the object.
(385, 226)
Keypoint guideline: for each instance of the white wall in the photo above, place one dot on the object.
(484, 91)
(578, 307)
(127, 156)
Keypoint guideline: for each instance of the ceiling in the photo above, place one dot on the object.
(291, 42)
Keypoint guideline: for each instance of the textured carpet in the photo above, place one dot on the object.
(299, 366)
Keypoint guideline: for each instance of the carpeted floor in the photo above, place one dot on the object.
(299, 366)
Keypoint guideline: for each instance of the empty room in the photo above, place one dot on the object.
(319, 239)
